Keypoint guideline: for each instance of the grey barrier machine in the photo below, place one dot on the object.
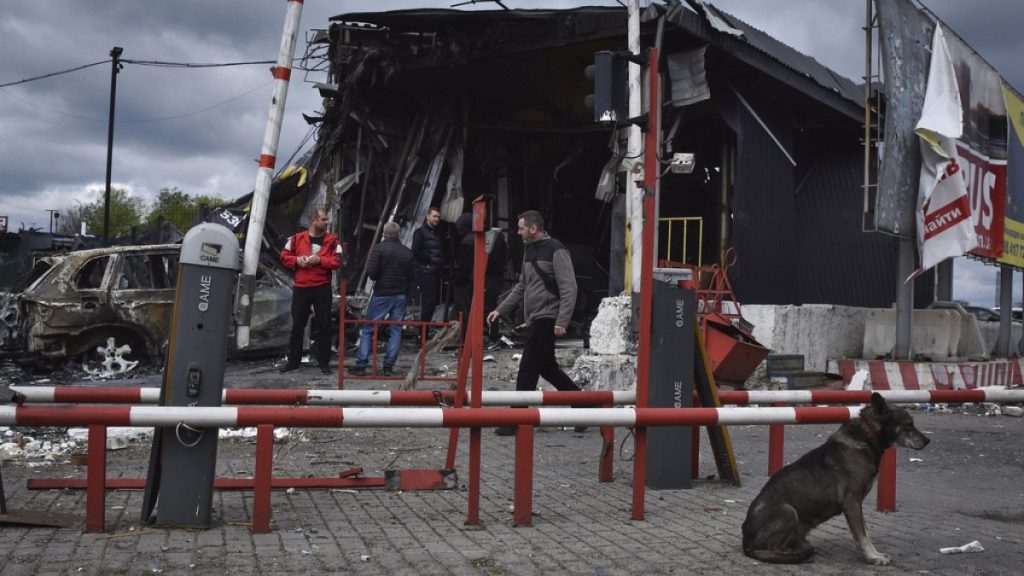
(182, 463)
(673, 321)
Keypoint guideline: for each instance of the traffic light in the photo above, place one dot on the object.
(609, 101)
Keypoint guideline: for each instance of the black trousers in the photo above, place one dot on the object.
(539, 359)
(320, 298)
(464, 300)
(430, 292)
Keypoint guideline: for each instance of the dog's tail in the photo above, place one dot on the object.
(780, 556)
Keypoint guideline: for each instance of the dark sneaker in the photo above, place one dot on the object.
(287, 368)
(387, 371)
(325, 369)
(357, 371)
(505, 431)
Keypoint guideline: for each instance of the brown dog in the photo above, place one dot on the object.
(834, 477)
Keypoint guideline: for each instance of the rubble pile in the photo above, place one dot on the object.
(611, 364)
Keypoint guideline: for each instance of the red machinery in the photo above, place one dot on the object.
(731, 347)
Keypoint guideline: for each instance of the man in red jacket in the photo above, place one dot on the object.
(312, 254)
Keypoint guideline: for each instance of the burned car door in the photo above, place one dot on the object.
(271, 310)
(67, 305)
(142, 295)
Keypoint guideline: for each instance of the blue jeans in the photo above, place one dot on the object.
(380, 308)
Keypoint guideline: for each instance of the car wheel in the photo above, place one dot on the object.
(111, 354)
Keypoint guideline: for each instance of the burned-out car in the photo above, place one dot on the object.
(90, 304)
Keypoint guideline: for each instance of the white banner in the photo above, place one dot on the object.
(944, 227)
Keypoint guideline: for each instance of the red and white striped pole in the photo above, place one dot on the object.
(289, 397)
(265, 174)
(372, 417)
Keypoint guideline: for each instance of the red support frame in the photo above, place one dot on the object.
(643, 361)
(522, 505)
(262, 475)
(887, 482)
(776, 445)
(96, 480)
(607, 461)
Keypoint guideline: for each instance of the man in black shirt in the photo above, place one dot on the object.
(429, 254)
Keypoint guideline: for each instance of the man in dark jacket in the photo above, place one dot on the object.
(312, 254)
(547, 292)
(429, 253)
(497, 255)
(390, 267)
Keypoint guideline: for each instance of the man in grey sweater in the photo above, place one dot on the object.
(547, 292)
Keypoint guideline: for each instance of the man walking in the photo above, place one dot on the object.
(429, 253)
(312, 254)
(547, 292)
(390, 267)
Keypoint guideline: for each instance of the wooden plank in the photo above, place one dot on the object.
(707, 393)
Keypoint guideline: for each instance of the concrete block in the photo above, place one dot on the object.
(609, 332)
(818, 331)
(936, 333)
(605, 372)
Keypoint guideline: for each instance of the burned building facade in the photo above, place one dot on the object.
(436, 107)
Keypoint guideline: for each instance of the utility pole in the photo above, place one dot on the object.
(115, 67)
(54, 214)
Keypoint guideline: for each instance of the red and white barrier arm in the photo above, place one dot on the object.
(359, 417)
(235, 396)
(864, 396)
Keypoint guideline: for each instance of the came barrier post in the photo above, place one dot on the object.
(671, 383)
(184, 458)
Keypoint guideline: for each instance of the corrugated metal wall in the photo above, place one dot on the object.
(804, 246)
(764, 218)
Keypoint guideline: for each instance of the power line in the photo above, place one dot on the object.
(193, 64)
(138, 120)
(52, 74)
(142, 63)
(200, 111)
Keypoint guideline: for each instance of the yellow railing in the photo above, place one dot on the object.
(686, 221)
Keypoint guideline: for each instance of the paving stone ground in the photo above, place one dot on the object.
(968, 485)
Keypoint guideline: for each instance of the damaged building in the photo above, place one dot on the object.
(437, 107)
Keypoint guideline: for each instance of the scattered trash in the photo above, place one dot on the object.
(489, 358)
(507, 342)
(290, 491)
(364, 557)
(344, 490)
(916, 460)
(969, 547)
(1015, 411)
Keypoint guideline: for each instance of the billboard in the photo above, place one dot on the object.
(1013, 234)
(982, 147)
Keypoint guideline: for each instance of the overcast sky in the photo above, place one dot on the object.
(200, 129)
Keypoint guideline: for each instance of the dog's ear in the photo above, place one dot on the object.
(878, 403)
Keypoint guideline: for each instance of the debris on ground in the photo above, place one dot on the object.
(969, 547)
